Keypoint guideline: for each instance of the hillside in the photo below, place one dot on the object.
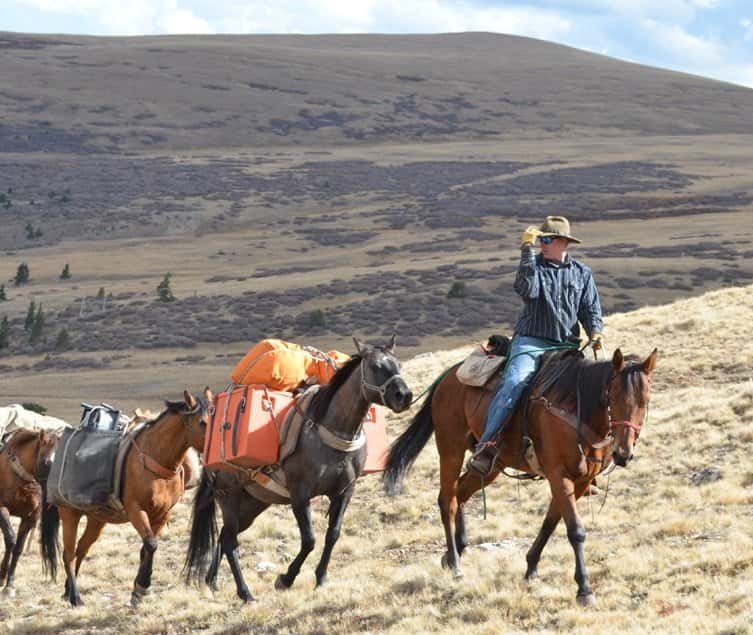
(315, 187)
(671, 551)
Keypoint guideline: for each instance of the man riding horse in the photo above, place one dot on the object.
(557, 292)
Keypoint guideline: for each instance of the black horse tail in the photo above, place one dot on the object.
(407, 446)
(48, 535)
(203, 529)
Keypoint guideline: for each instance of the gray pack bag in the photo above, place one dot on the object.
(82, 474)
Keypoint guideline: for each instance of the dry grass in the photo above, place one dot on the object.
(665, 554)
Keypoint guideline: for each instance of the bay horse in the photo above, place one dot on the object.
(152, 484)
(315, 468)
(24, 465)
(585, 414)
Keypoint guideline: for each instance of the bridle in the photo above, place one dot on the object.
(381, 390)
(616, 423)
(20, 470)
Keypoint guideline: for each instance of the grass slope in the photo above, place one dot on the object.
(670, 552)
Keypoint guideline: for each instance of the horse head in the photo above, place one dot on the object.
(381, 381)
(195, 413)
(628, 393)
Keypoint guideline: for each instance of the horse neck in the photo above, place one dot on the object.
(27, 455)
(348, 407)
(166, 440)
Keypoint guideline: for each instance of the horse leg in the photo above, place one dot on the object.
(70, 519)
(9, 536)
(92, 532)
(26, 525)
(451, 454)
(246, 513)
(302, 512)
(564, 493)
(337, 506)
(533, 556)
(140, 520)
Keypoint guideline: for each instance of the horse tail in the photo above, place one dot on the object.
(48, 535)
(407, 446)
(203, 529)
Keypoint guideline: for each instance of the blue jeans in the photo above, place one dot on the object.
(523, 359)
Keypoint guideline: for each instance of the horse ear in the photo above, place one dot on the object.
(189, 399)
(618, 361)
(42, 437)
(358, 343)
(650, 362)
(391, 346)
(208, 395)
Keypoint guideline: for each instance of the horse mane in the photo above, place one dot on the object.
(576, 375)
(22, 437)
(323, 398)
(180, 407)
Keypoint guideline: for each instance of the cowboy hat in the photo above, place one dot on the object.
(557, 227)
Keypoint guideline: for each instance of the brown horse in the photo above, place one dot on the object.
(24, 461)
(580, 415)
(152, 484)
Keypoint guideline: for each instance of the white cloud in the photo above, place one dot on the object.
(684, 46)
(747, 24)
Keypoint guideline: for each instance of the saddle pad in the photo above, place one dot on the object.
(82, 474)
(478, 368)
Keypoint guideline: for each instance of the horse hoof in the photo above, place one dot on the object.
(532, 576)
(280, 583)
(9, 592)
(247, 598)
(587, 599)
(457, 573)
(445, 561)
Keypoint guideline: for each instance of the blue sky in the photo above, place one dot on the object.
(713, 38)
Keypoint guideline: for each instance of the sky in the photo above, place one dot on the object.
(713, 38)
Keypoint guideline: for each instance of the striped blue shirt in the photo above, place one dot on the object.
(557, 295)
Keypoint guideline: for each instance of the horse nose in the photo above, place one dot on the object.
(621, 459)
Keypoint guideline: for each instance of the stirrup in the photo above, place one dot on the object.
(484, 458)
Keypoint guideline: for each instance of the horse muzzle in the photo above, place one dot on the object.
(622, 458)
(401, 398)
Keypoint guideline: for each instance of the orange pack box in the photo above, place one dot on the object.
(375, 427)
(244, 429)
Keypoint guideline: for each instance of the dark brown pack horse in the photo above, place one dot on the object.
(611, 398)
(152, 484)
(316, 468)
(24, 465)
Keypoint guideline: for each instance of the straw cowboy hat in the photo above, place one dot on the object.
(557, 227)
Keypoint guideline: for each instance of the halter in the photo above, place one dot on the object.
(381, 390)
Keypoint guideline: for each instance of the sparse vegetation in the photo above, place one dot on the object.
(63, 340)
(22, 274)
(33, 233)
(66, 273)
(37, 327)
(4, 332)
(3, 296)
(31, 314)
(34, 407)
(164, 292)
(457, 290)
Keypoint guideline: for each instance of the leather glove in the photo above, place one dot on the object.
(530, 235)
(597, 341)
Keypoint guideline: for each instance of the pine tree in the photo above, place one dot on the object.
(36, 330)
(22, 274)
(3, 297)
(4, 332)
(66, 274)
(101, 293)
(30, 315)
(63, 341)
(164, 292)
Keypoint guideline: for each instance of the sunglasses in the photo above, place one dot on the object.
(546, 240)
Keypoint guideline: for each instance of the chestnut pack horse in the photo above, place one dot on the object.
(152, 484)
(584, 414)
(24, 465)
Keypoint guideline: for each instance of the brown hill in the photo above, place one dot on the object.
(311, 187)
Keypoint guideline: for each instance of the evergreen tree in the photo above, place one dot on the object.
(63, 341)
(4, 332)
(101, 293)
(66, 274)
(22, 274)
(3, 297)
(164, 292)
(36, 330)
(30, 315)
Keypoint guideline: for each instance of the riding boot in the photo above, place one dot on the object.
(484, 458)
